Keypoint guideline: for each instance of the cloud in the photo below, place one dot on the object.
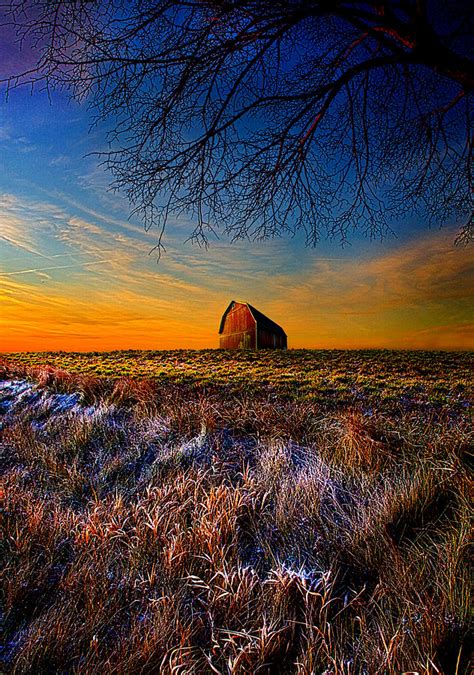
(60, 160)
(382, 300)
(103, 291)
(28, 225)
(5, 133)
(54, 267)
(109, 291)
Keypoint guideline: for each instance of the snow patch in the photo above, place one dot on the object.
(21, 396)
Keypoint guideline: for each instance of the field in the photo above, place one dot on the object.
(246, 512)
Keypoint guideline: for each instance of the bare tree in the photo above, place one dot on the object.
(266, 117)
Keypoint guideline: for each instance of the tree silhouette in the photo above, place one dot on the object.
(260, 118)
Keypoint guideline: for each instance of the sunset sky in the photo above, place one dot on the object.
(76, 274)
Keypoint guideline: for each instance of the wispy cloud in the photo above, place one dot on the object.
(55, 267)
(60, 160)
(5, 133)
(382, 300)
(108, 293)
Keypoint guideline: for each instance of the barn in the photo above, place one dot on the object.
(244, 327)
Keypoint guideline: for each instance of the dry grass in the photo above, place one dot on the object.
(163, 528)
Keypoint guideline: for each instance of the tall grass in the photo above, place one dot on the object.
(166, 528)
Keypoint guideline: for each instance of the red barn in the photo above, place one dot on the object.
(244, 327)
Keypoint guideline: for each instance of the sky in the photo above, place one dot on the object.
(77, 274)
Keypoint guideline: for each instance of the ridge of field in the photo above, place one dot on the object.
(339, 377)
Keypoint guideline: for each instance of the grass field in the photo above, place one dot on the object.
(246, 512)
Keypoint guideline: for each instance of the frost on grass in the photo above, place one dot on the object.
(171, 530)
(20, 395)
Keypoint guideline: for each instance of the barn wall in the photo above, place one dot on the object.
(243, 340)
(270, 340)
(239, 329)
(239, 320)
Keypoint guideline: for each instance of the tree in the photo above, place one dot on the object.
(267, 117)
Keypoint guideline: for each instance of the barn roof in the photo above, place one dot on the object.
(262, 320)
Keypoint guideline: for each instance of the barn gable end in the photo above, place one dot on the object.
(244, 327)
